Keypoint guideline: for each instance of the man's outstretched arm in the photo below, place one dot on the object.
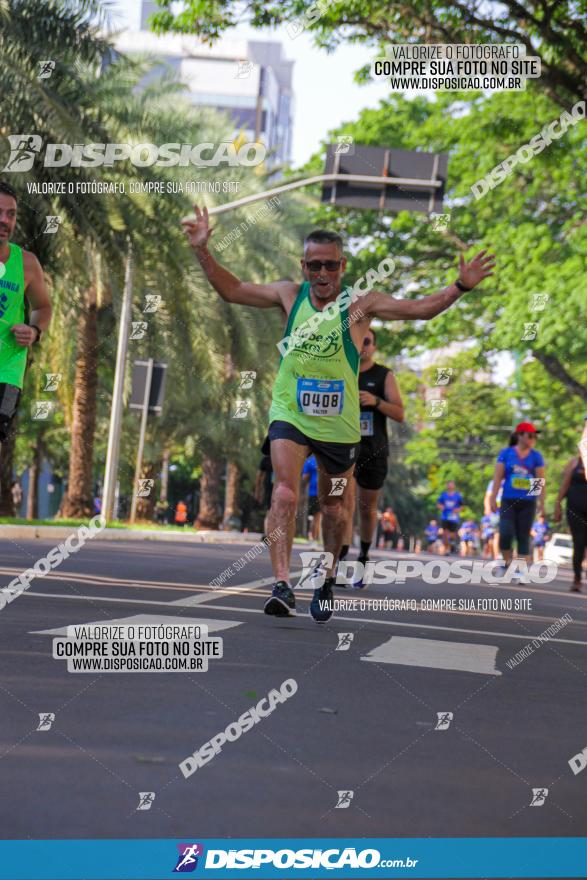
(230, 288)
(381, 305)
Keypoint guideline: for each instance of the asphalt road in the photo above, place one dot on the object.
(362, 720)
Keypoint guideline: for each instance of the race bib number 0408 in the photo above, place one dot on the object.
(320, 397)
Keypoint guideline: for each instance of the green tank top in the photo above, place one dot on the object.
(12, 355)
(317, 387)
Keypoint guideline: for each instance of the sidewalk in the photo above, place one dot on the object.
(187, 535)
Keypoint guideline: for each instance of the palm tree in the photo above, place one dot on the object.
(93, 96)
(56, 109)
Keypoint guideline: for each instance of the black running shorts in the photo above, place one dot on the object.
(371, 470)
(9, 399)
(335, 458)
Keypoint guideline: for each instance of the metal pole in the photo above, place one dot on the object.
(111, 469)
(144, 415)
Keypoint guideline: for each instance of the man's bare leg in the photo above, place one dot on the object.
(335, 513)
(347, 539)
(367, 513)
(288, 460)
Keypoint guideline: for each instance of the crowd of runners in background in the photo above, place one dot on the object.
(509, 515)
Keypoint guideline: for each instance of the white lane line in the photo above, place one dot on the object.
(451, 629)
(77, 597)
(212, 595)
(103, 580)
(146, 620)
(356, 620)
(456, 656)
(186, 602)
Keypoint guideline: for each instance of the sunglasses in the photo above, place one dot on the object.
(316, 265)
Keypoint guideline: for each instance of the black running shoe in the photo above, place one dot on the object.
(321, 606)
(282, 601)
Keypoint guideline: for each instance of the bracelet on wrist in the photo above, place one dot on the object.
(461, 286)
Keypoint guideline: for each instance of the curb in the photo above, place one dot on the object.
(59, 532)
(184, 537)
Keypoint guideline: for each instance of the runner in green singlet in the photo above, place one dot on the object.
(315, 406)
(20, 276)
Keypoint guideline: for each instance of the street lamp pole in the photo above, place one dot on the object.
(112, 454)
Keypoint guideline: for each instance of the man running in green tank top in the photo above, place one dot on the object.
(20, 276)
(315, 406)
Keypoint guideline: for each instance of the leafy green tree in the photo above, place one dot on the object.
(554, 31)
(533, 220)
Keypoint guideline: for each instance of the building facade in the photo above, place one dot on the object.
(250, 80)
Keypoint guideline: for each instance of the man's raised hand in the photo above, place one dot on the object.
(198, 231)
(471, 274)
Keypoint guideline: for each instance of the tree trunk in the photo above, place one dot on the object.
(209, 512)
(32, 501)
(553, 366)
(6, 469)
(146, 505)
(78, 502)
(231, 492)
(164, 477)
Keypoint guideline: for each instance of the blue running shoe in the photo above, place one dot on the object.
(282, 601)
(321, 606)
(360, 584)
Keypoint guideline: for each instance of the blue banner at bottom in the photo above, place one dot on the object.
(304, 858)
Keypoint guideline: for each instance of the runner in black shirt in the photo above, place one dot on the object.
(380, 400)
(574, 489)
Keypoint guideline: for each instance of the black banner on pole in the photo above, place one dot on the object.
(345, 158)
(157, 395)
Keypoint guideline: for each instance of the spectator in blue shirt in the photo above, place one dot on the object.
(449, 503)
(539, 532)
(521, 467)
(431, 533)
(488, 526)
(468, 534)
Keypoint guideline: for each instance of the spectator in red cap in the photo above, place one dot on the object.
(521, 467)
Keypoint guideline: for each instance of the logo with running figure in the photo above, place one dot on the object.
(146, 799)
(315, 566)
(536, 485)
(23, 150)
(345, 145)
(444, 719)
(539, 796)
(187, 861)
(46, 719)
(46, 68)
(530, 331)
(152, 303)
